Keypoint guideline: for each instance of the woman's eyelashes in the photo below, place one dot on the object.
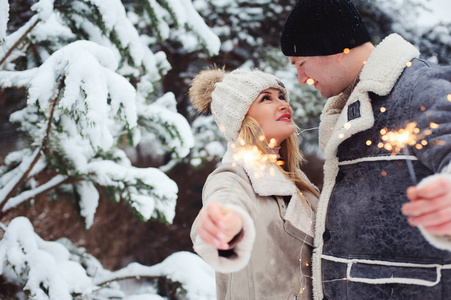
(269, 98)
(266, 98)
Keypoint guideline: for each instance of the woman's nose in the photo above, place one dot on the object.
(284, 105)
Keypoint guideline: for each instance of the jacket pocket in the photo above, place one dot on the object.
(386, 272)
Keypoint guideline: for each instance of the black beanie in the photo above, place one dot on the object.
(322, 27)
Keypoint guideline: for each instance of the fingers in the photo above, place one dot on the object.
(216, 212)
(425, 206)
(429, 198)
(430, 207)
(208, 229)
(434, 189)
(435, 218)
(442, 229)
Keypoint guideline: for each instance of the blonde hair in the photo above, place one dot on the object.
(289, 150)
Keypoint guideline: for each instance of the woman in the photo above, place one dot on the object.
(255, 227)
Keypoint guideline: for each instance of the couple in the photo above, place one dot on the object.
(372, 234)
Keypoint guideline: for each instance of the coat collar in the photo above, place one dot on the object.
(347, 114)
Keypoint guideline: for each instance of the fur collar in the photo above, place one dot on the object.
(379, 75)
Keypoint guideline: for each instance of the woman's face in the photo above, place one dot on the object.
(273, 113)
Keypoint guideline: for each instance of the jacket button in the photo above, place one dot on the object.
(326, 235)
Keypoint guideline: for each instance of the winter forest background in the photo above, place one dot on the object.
(103, 160)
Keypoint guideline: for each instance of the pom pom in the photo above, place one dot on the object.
(202, 87)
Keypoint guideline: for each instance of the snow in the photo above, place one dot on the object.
(53, 30)
(195, 22)
(89, 200)
(14, 37)
(41, 265)
(46, 264)
(16, 174)
(195, 275)
(4, 17)
(26, 195)
(156, 192)
(44, 9)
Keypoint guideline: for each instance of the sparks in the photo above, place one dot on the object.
(252, 156)
(396, 141)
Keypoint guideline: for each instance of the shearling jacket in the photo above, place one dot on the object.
(272, 260)
(365, 248)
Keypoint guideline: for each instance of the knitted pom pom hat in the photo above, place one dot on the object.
(322, 27)
(229, 95)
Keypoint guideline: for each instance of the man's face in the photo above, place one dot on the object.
(325, 73)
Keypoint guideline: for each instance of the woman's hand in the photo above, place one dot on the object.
(218, 225)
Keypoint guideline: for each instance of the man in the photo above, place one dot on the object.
(365, 247)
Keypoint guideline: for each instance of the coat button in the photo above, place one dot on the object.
(326, 235)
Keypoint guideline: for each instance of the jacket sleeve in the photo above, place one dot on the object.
(229, 186)
(431, 109)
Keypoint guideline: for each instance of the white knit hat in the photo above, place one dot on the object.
(228, 96)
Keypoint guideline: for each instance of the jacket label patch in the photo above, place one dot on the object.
(354, 110)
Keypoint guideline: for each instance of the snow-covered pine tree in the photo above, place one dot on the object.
(92, 82)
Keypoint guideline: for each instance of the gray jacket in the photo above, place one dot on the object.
(273, 259)
(365, 248)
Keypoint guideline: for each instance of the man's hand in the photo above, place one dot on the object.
(218, 225)
(430, 206)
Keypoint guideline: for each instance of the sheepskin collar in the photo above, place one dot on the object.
(266, 179)
(347, 114)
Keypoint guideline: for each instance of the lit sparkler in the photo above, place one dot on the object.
(396, 141)
(250, 155)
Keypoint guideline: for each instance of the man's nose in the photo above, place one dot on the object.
(302, 78)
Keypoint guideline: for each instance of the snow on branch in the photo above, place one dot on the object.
(187, 268)
(43, 268)
(27, 195)
(207, 38)
(4, 16)
(87, 72)
(17, 175)
(182, 15)
(60, 270)
(150, 192)
(162, 119)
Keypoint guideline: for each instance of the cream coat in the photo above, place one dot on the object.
(272, 260)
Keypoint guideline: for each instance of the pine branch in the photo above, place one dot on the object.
(125, 277)
(33, 21)
(12, 188)
(27, 195)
